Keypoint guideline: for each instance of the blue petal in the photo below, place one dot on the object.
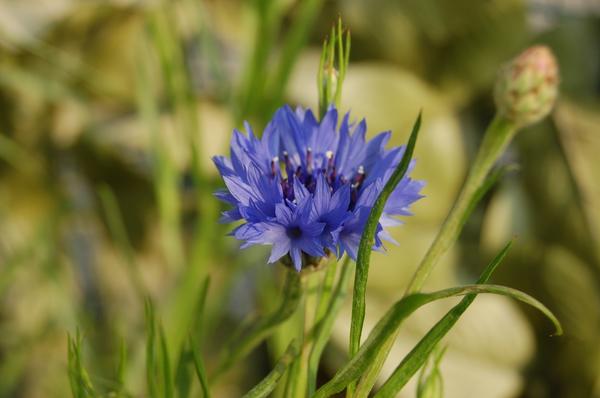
(296, 254)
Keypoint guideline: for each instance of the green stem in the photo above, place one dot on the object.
(299, 372)
(323, 327)
(497, 137)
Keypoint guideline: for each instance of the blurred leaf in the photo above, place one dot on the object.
(419, 354)
(431, 385)
(118, 233)
(81, 386)
(386, 329)
(252, 334)
(325, 324)
(268, 384)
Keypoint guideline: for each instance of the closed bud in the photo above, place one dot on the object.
(527, 87)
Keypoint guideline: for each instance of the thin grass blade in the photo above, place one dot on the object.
(268, 384)
(367, 240)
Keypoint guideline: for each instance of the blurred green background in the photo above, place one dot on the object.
(110, 111)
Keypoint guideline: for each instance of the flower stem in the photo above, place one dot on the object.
(497, 136)
(298, 374)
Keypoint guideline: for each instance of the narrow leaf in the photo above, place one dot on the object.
(407, 306)
(268, 384)
(370, 377)
(385, 330)
(165, 365)
(194, 340)
(150, 350)
(122, 366)
(367, 240)
(200, 369)
(415, 359)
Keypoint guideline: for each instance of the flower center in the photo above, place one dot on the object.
(307, 174)
(294, 232)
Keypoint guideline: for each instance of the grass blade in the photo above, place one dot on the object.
(369, 379)
(165, 365)
(196, 337)
(384, 331)
(415, 359)
(367, 239)
(200, 369)
(268, 384)
(419, 354)
(150, 351)
(118, 232)
(81, 386)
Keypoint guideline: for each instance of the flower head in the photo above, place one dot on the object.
(307, 187)
(527, 87)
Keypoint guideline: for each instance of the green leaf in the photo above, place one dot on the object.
(194, 340)
(150, 350)
(122, 367)
(268, 384)
(387, 327)
(118, 233)
(200, 369)
(81, 386)
(431, 384)
(369, 379)
(367, 240)
(415, 359)
(243, 341)
(165, 365)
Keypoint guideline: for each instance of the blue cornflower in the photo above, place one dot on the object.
(307, 187)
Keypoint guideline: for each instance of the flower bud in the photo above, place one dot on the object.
(527, 87)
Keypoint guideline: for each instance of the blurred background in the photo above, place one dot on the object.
(109, 114)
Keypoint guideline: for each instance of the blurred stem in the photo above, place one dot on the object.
(497, 137)
(298, 376)
(308, 10)
(253, 87)
(330, 304)
(165, 174)
(118, 232)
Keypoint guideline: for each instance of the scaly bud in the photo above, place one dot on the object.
(527, 87)
(332, 68)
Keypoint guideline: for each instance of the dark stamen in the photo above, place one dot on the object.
(274, 165)
(309, 160)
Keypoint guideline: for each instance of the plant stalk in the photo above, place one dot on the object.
(497, 137)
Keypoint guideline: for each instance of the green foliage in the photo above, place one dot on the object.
(253, 333)
(81, 386)
(431, 384)
(73, 156)
(367, 239)
(385, 331)
(333, 67)
(324, 324)
(268, 384)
